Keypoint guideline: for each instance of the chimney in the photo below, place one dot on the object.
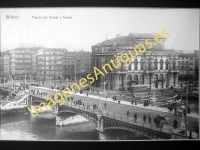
(118, 35)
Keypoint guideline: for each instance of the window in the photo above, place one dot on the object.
(156, 64)
(161, 64)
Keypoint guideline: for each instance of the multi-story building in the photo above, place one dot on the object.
(49, 64)
(196, 52)
(69, 65)
(23, 63)
(157, 67)
(83, 64)
(186, 64)
(6, 68)
(76, 65)
(1, 70)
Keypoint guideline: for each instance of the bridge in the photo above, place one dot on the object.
(106, 120)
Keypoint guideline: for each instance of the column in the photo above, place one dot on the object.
(100, 123)
(139, 66)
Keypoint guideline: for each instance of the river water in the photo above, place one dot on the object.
(43, 127)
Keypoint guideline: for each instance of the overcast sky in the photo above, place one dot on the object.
(90, 26)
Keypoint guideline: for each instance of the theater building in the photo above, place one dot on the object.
(157, 66)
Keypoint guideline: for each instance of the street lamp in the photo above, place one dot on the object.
(4, 81)
(50, 80)
(182, 123)
(40, 79)
(153, 98)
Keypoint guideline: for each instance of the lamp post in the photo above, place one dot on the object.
(50, 81)
(40, 79)
(182, 123)
(67, 82)
(153, 98)
(4, 81)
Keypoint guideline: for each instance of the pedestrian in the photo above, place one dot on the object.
(135, 116)
(144, 118)
(155, 120)
(144, 103)
(132, 101)
(175, 110)
(87, 94)
(68, 99)
(175, 123)
(149, 118)
(72, 98)
(105, 105)
(135, 102)
(166, 119)
(127, 113)
(106, 96)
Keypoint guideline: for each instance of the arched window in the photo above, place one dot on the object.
(156, 77)
(161, 76)
(156, 64)
(141, 64)
(135, 77)
(129, 78)
(161, 64)
(136, 64)
(166, 76)
(167, 64)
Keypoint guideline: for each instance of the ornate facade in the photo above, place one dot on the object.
(157, 67)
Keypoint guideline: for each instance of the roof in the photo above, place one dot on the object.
(121, 40)
(142, 35)
(30, 49)
(131, 39)
(52, 50)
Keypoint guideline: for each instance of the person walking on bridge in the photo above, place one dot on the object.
(150, 118)
(132, 101)
(135, 116)
(127, 113)
(175, 123)
(105, 105)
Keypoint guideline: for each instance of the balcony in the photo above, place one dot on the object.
(174, 70)
(150, 70)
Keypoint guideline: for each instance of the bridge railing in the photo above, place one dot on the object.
(139, 122)
(131, 120)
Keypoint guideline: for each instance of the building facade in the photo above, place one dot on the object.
(196, 53)
(69, 65)
(23, 63)
(76, 65)
(186, 64)
(49, 64)
(6, 65)
(157, 67)
(83, 63)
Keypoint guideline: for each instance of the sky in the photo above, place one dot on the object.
(89, 26)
